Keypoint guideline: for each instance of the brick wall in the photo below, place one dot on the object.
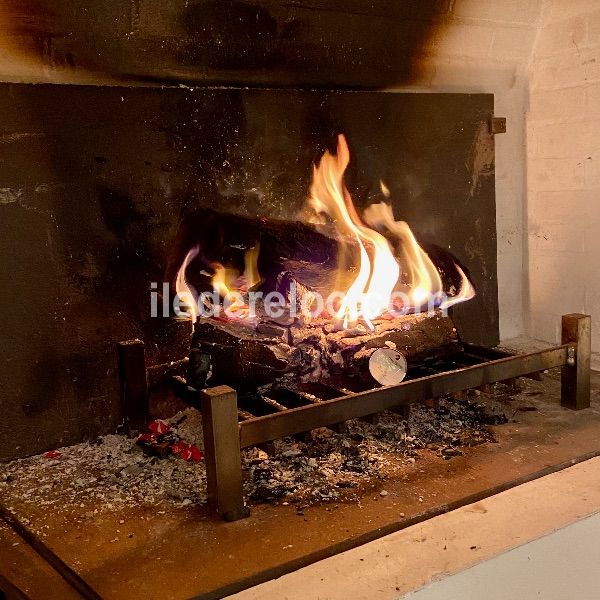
(563, 168)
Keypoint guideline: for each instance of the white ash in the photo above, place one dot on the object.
(113, 471)
(329, 466)
(109, 473)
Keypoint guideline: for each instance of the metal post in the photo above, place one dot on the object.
(222, 453)
(575, 375)
(134, 384)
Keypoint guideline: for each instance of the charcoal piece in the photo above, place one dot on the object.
(242, 357)
(199, 369)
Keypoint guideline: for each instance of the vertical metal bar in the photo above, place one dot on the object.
(222, 453)
(134, 383)
(575, 375)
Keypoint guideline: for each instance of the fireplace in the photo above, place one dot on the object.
(205, 149)
(262, 263)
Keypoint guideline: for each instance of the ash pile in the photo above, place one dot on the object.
(327, 466)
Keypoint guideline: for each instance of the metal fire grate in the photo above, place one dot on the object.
(233, 422)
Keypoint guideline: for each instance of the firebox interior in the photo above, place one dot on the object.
(106, 175)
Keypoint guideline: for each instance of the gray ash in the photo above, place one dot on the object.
(330, 466)
(322, 466)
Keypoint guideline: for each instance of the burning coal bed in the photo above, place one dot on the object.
(325, 466)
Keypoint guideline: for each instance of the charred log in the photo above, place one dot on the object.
(291, 252)
(241, 357)
(224, 238)
(249, 357)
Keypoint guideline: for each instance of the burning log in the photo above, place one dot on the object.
(241, 356)
(225, 238)
(249, 357)
(292, 254)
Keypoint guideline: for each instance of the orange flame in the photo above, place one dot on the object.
(379, 271)
(368, 295)
(423, 278)
(466, 292)
(187, 294)
(226, 282)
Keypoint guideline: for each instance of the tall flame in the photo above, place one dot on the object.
(423, 278)
(186, 292)
(379, 271)
(368, 295)
(251, 275)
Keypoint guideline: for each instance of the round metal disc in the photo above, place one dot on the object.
(387, 366)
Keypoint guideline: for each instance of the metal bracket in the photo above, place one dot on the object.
(571, 356)
(497, 125)
(575, 375)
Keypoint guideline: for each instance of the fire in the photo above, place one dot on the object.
(227, 283)
(370, 292)
(423, 278)
(466, 291)
(185, 291)
(386, 264)
(380, 273)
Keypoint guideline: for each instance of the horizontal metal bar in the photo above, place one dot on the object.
(298, 420)
(488, 353)
(244, 415)
(273, 404)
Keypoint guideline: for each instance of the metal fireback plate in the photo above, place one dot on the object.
(387, 366)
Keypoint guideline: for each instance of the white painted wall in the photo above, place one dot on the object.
(560, 566)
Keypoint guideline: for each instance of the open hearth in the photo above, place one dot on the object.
(275, 276)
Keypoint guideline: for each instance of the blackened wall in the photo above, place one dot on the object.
(261, 42)
(97, 180)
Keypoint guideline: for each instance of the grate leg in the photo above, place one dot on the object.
(222, 453)
(134, 384)
(575, 378)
